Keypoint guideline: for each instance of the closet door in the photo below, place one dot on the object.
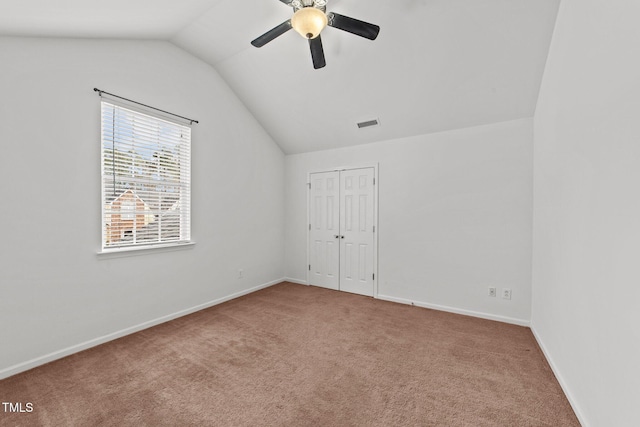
(357, 231)
(324, 233)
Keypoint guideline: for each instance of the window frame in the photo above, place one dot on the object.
(183, 182)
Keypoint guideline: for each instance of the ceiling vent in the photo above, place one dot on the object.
(368, 123)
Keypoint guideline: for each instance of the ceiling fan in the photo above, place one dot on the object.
(310, 17)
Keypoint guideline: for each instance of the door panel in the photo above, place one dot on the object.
(356, 219)
(324, 210)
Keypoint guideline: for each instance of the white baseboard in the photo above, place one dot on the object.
(489, 316)
(298, 281)
(30, 364)
(560, 378)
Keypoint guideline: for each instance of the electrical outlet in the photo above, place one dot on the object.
(506, 293)
(240, 272)
(492, 291)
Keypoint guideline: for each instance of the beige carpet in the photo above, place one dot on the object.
(293, 355)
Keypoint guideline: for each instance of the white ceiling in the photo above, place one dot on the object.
(436, 65)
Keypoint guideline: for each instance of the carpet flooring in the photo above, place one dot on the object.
(293, 355)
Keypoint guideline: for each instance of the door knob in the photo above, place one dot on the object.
(342, 237)
(337, 236)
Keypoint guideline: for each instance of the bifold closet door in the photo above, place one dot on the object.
(341, 230)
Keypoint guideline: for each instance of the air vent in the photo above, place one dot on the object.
(368, 123)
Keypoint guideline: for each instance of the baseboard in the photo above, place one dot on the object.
(488, 316)
(38, 361)
(560, 378)
(298, 281)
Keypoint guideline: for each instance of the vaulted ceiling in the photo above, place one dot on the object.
(436, 65)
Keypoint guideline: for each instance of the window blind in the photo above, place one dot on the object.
(146, 171)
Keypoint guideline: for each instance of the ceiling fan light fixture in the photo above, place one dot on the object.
(309, 22)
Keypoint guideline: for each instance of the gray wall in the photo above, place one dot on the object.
(57, 294)
(454, 217)
(586, 232)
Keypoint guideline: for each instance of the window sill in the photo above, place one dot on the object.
(143, 250)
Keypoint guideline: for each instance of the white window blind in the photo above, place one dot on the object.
(146, 170)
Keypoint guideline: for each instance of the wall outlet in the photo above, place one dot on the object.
(492, 291)
(240, 272)
(506, 293)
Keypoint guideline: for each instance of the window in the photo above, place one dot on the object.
(145, 179)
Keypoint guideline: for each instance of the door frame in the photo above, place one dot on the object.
(375, 218)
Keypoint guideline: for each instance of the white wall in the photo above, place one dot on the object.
(55, 292)
(586, 268)
(455, 216)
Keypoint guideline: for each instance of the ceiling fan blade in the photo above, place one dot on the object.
(353, 26)
(287, 2)
(272, 34)
(317, 53)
